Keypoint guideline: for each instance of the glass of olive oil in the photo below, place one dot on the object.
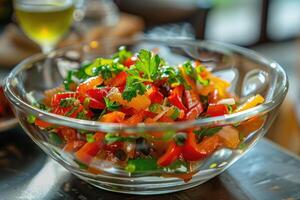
(44, 21)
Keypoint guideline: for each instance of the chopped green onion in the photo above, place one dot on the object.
(31, 119)
(90, 138)
(175, 113)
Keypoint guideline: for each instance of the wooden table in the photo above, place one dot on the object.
(265, 172)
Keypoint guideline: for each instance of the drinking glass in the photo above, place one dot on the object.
(44, 21)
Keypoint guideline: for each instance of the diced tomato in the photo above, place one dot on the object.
(130, 61)
(113, 117)
(214, 110)
(73, 146)
(68, 134)
(42, 124)
(93, 103)
(194, 112)
(113, 146)
(128, 111)
(98, 93)
(170, 155)
(155, 96)
(119, 80)
(89, 84)
(56, 98)
(89, 150)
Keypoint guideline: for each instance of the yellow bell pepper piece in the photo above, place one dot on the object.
(250, 103)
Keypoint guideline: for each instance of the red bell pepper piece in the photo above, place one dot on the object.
(89, 84)
(170, 156)
(149, 114)
(56, 98)
(119, 80)
(130, 61)
(214, 110)
(191, 99)
(113, 146)
(42, 124)
(191, 151)
(98, 93)
(155, 96)
(89, 150)
(73, 146)
(194, 112)
(213, 97)
(175, 97)
(128, 110)
(68, 134)
(93, 103)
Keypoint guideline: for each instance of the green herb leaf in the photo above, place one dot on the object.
(71, 111)
(122, 54)
(55, 139)
(180, 138)
(81, 165)
(207, 131)
(113, 137)
(68, 80)
(67, 102)
(103, 70)
(175, 113)
(194, 73)
(31, 119)
(133, 88)
(111, 105)
(82, 115)
(155, 107)
(90, 138)
(148, 64)
(174, 76)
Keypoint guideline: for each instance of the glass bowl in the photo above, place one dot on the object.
(248, 73)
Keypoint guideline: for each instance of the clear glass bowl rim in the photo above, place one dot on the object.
(115, 127)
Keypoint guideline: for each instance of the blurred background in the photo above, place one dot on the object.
(271, 27)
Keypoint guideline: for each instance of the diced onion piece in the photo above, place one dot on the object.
(228, 101)
(229, 136)
(157, 117)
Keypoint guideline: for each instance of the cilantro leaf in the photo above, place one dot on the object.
(148, 64)
(174, 76)
(104, 71)
(111, 105)
(67, 102)
(122, 54)
(194, 73)
(133, 87)
(207, 131)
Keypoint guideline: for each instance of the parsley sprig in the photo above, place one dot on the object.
(194, 73)
(146, 69)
